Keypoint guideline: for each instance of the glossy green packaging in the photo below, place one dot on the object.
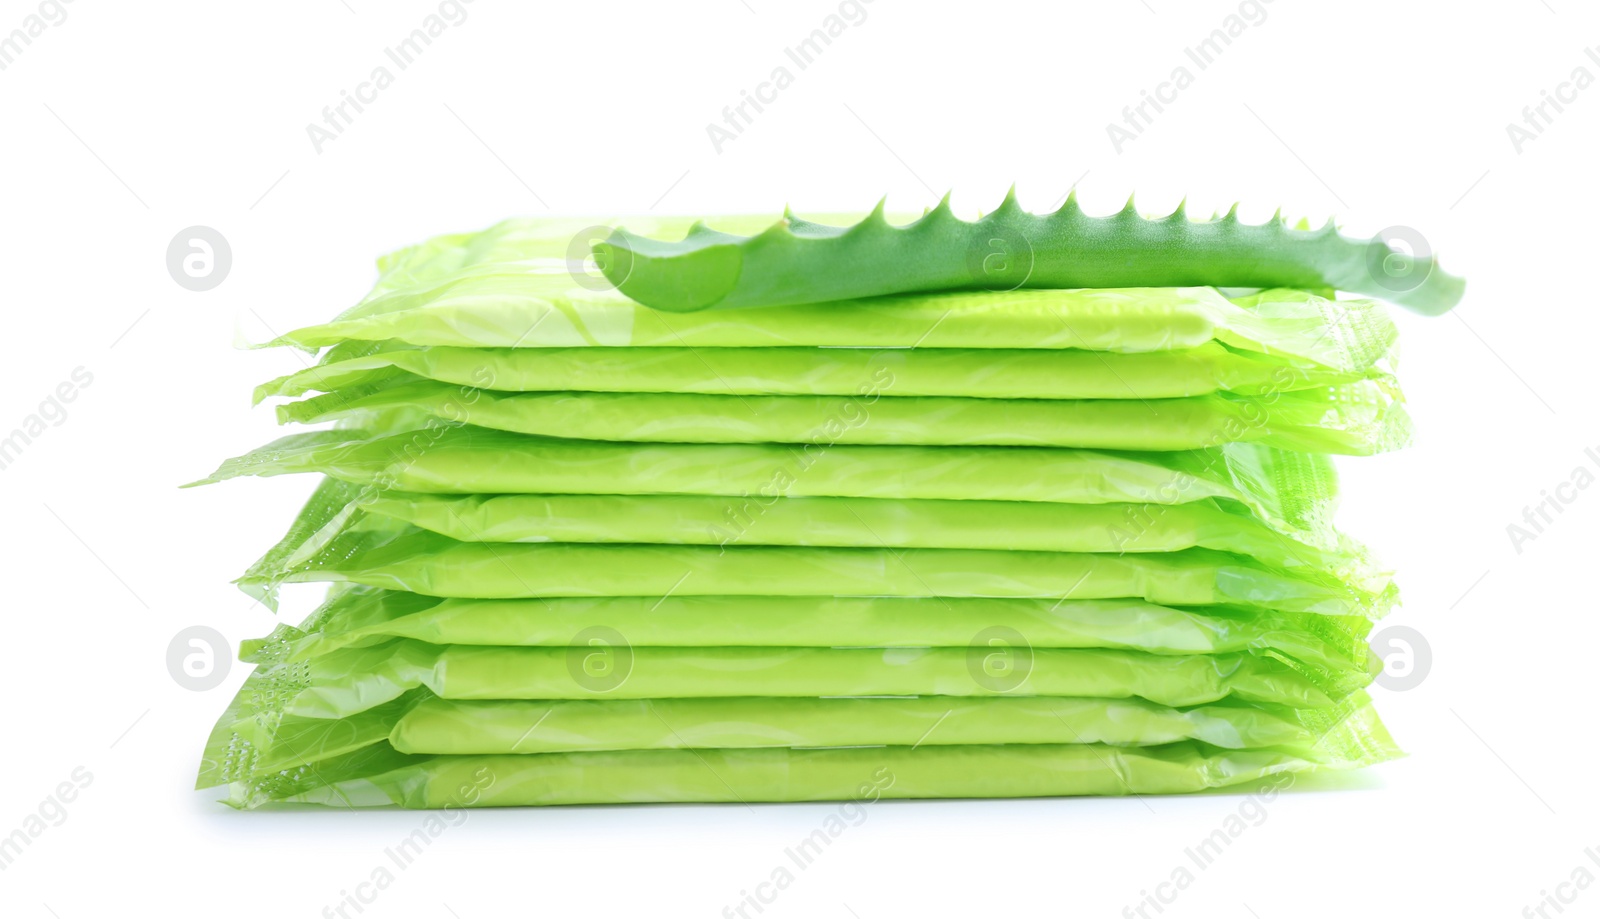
(365, 616)
(1286, 489)
(1358, 418)
(797, 371)
(957, 543)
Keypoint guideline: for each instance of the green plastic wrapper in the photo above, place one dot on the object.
(421, 562)
(309, 703)
(513, 285)
(363, 616)
(993, 373)
(1288, 490)
(959, 544)
(1353, 419)
(270, 754)
(512, 310)
(443, 726)
(421, 723)
(346, 682)
(843, 522)
(338, 509)
(857, 776)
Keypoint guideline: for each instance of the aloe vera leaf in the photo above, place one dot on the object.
(796, 261)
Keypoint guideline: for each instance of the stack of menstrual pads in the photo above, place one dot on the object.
(960, 543)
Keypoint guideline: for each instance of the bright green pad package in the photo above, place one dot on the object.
(495, 309)
(993, 373)
(542, 249)
(360, 616)
(1289, 490)
(889, 522)
(427, 563)
(748, 776)
(291, 712)
(1352, 419)
(443, 726)
(422, 723)
(338, 508)
(346, 682)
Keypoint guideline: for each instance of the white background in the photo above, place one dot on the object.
(128, 122)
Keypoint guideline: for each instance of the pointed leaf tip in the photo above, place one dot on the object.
(1008, 206)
